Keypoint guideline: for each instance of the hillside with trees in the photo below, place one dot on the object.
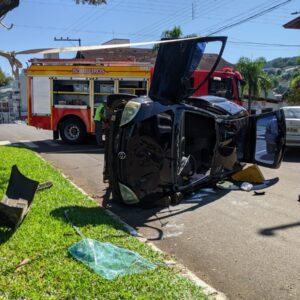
(282, 62)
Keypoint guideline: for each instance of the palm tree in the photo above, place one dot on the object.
(265, 83)
(255, 77)
(174, 33)
(293, 94)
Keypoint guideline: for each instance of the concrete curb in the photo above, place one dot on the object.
(184, 271)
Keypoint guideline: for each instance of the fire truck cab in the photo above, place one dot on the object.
(63, 93)
(225, 83)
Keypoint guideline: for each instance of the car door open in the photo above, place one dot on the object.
(267, 139)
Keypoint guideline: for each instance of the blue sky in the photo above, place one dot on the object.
(37, 22)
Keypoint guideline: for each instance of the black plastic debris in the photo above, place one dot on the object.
(236, 186)
(259, 193)
(18, 198)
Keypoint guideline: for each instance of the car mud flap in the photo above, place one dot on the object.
(18, 198)
(236, 186)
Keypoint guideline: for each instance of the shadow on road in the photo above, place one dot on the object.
(271, 231)
(292, 155)
(157, 218)
(59, 147)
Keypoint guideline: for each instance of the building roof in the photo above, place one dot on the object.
(145, 56)
(294, 24)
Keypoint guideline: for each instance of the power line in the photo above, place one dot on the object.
(240, 16)
(48, 28)
(265, 44)
(206, 8)
(249, 18)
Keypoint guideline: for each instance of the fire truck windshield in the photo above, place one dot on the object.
(222, 87)
(239, 85)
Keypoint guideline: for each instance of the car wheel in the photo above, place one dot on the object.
(72, 131)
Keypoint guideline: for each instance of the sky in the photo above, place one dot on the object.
(38, 22)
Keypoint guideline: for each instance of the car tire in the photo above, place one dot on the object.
(72, 131)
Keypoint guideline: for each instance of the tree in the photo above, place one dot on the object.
(265, 83)
(255, 77)
(174, 33)
(293, 95)
(4, 80)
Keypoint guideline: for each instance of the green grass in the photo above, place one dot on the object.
(45, 236)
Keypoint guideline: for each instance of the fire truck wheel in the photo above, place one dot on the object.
(72, 131)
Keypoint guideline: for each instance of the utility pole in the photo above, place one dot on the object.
(67, 39)
(193, 10)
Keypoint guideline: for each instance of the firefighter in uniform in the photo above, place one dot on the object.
(98, 124)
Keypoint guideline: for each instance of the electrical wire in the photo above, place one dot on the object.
(256, 15)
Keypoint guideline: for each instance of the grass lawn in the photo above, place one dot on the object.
(45, 236)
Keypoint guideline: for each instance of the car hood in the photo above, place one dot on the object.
(175, 63)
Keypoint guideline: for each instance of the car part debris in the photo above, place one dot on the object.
(106, 259)
(259, 193)
(250, 174)
(236, 186)
(246, 186)
(44, 186)
(227, 185)
(17, 200)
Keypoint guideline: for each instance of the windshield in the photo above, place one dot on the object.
(221, 87)
(292, 112)
(239, 89)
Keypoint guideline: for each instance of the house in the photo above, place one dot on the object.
(141, 55)
(293, 24)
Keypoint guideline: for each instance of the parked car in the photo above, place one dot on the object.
(170, 143)
(292, 119)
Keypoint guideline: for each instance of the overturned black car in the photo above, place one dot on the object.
(171, 143)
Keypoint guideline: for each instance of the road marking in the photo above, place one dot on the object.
(28, 143)
(4, 143)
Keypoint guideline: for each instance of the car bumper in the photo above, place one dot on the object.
(292, 140)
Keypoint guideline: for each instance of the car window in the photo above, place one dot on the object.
(292, 112)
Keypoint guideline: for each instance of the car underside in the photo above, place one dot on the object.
(171, 143)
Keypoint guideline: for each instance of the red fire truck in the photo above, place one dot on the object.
(63, 93)
(226, 83)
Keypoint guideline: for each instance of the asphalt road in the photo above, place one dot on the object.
(243, 245)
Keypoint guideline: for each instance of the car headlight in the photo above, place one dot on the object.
(129, 112)
(128, 196)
